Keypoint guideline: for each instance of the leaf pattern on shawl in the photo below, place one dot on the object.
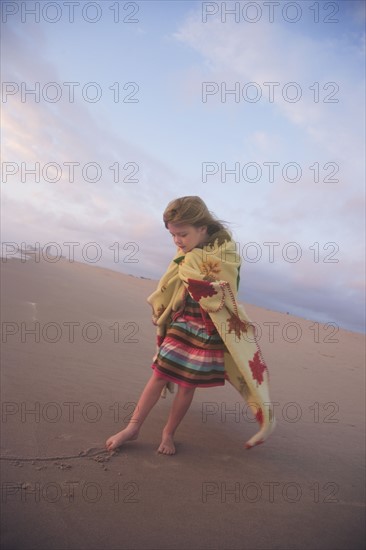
(259, 416)
(257, 368)
(244, 390)
(237, 325)
(210, 269)
(199, 289)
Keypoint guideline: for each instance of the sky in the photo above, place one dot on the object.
(110, 110)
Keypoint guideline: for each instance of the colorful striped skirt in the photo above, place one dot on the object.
(192, 352)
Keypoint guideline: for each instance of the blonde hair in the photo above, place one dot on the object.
(192, 210)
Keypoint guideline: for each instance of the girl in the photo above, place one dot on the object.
(193, 298)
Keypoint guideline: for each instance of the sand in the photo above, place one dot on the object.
(66, 391)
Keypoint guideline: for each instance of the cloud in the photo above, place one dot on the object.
(278, 53)
(107, 212)
(61, 133)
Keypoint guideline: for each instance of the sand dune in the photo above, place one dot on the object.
(77, 345)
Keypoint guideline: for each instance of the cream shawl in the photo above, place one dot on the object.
(211, 275)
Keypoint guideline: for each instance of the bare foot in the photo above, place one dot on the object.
(121, 437)
(167, 445)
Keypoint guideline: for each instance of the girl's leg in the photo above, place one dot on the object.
(148, 398)
(180, 406)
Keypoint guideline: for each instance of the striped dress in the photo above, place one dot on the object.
(192, 352)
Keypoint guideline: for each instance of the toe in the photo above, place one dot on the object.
(110, 445)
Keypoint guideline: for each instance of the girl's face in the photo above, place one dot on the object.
(186, 236)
